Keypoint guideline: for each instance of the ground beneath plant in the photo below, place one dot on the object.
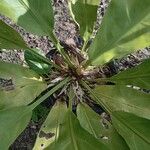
(67, 32)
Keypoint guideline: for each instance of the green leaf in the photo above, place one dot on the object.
(100, 128)
(50, 129)
(137, 76)
(125, 27)
(121, 98)
(12, 122)
(26, 85)
(135, 130)
(85, 13)
(35, 16)
(9, 38)
(72, 137)
(89, 120)
(36, 63)
(116, 142)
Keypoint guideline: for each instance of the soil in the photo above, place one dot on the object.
(66, 31)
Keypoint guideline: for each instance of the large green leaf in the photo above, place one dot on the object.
(135, 130)
(12, 122)
(27, 85)
(36, 63)
(121, 98)
(50, 129)
(125, 27)
(35, 16)
(85, 13)
(100, 128)
(89, 120)
(73, 137)
(116, 142)
(9, 38)
(138, 76)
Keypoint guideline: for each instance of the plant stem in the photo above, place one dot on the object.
(84, 46)
(87, 63)
(71, 97)
(65, 56)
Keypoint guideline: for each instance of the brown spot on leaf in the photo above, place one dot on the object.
(9, 88)
(46, 135)
(7, 85)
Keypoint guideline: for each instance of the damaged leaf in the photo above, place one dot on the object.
(27, 85)
(50, 129)
(47, 136)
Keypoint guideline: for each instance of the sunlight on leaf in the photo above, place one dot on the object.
(125, 28)
(35, 16)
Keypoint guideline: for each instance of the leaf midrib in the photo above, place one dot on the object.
(14, 42)
(75, 146)
(131, 77)
(130, 128)
(89, 123)
(127, 104)
(36, 17)
(113, 42)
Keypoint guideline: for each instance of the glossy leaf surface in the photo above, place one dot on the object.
(35, 16)
(25, 87)
(137, 76)
(36, 63)
(135, 130)
(125, 28)
(12, 122)
(9, 38)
